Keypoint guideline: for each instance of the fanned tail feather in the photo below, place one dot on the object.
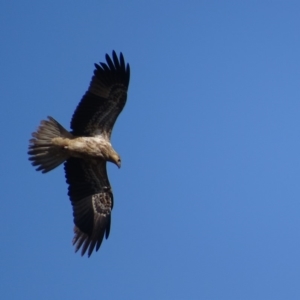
(42, 152)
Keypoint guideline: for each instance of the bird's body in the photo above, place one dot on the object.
(85, 147)
(85, 151)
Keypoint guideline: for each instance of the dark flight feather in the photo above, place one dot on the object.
(104, 100)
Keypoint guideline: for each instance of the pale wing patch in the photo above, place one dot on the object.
(102, 204)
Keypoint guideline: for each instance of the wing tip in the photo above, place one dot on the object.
(115, 68)
(89, 243)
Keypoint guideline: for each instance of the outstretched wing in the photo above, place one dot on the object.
(104, 100)
(92, 201)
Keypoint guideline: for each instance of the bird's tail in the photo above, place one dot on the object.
(43, 153)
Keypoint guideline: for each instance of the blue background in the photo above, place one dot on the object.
(207, 199)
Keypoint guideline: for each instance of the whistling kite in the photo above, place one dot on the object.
(85, 151)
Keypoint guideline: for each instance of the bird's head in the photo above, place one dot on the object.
(116, 159)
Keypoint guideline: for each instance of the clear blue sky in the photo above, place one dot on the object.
(207, 201)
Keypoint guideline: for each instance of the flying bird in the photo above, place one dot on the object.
(85, 150)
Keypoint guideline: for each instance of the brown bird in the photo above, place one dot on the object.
(85, 151)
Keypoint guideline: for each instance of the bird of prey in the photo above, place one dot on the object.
(85, 150)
